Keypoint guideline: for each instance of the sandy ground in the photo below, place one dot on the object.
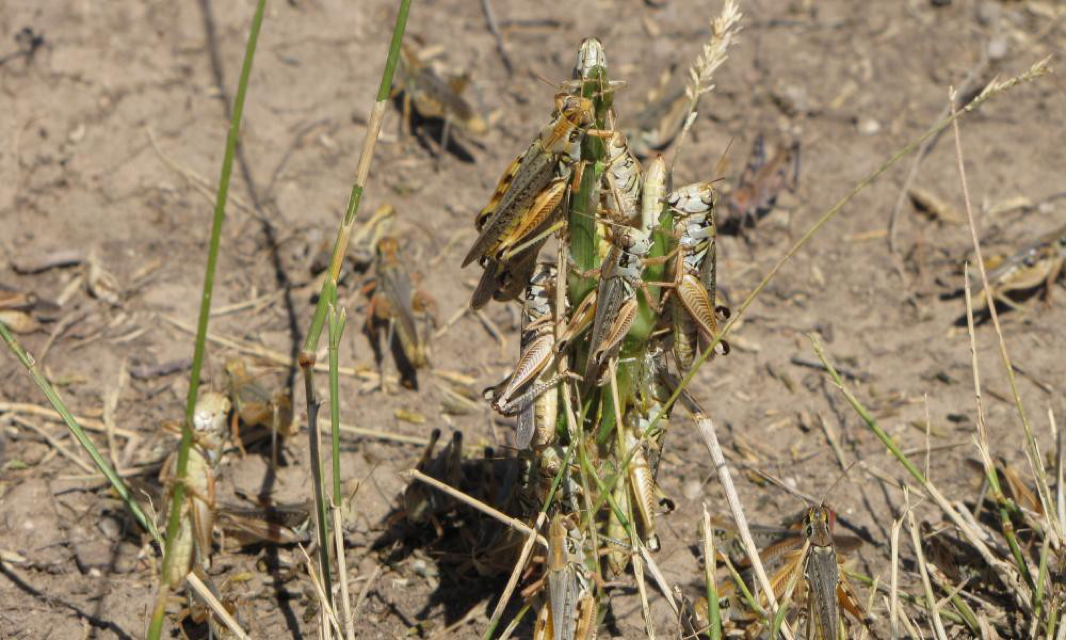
(112, 135)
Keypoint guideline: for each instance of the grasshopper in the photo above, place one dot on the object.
(620, 275)
(760, 183)
(398, 304)
(640, 479)
(571, 604)
(1038, 264)
(694, 312)
(435, 97)
(257, 407)
(532, 187)
(192, 546)
(538, 407)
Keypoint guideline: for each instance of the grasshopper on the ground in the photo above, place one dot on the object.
(530, 391)
(192, 546)
(435, 97)
(760, 183)
(815, 553)
(1038, 264)
(396, 304)
(266, 524)
(694, 309)
(256, 407)
(570, 614)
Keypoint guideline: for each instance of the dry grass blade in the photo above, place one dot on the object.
(217, 609)
(724, 29)
(1032, 449)
(512, 582)
(927, 587)
(893, 609)
(710, 439)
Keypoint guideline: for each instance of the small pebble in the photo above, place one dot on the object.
(868, 126)
(692, 489)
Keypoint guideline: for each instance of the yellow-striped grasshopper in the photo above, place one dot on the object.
(532, 187)
(760, 183)
(530, 391)
(192, 546)
(694, 312)
(397, 304)
(435, 97)
(254, 406)
(1038, 264)
(570, 614)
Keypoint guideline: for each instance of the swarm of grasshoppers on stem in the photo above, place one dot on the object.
(634, 280)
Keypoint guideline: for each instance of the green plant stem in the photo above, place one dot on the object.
(336, 330)
(317, 481)
(57, 403)
(344, 233)
(156, 626)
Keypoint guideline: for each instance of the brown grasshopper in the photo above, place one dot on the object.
(760, 183)
(621, 274)
(530, 391)
(1039, 264)
(266, 524)
(532, 187)
(398, 305)
(570, 614)
(827, 590)
(694, 312)
(257, 407)
(435, 97)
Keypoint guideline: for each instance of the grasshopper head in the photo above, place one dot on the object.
(817, 525)
(635, 241)
(388, 248)
(589, 56)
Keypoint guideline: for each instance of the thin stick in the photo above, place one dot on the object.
(88, 424)
(342, 572)
(200, 344)
(934, 608)
(85, 466)
(967, 85)
(893, 620)
(512, 582)
(323, 599)
(710, 440)
(714, 615)
(1032, 449)
(75, 428)
(365, 591)
(220, 611)
(494, 29)
(514, 523)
